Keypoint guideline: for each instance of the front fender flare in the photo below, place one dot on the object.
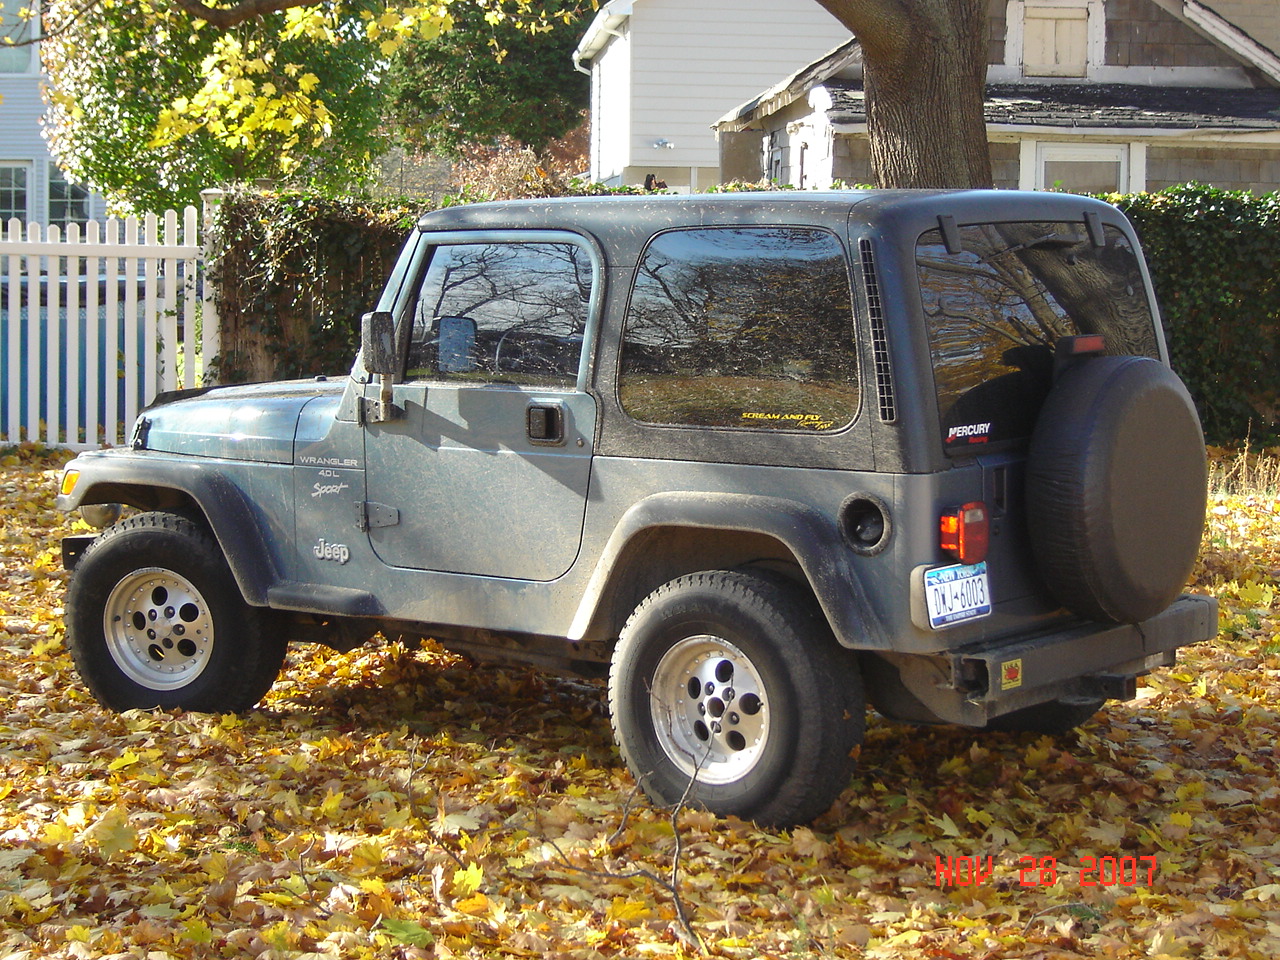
(155, 483)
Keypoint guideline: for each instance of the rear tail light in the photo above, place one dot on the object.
(964, 532)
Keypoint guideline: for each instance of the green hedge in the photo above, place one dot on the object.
(1214, 256)
(295, 272)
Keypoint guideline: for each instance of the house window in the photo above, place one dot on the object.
(1083, 168)
(15, 59)
(13, 193)
(68, 202)
(1055, 38)
(777, 157)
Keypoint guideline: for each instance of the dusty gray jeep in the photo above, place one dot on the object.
(758, 458)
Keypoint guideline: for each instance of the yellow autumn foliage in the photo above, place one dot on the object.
(405, 803)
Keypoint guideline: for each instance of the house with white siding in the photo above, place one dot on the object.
(32, 188)
(663, 71)
(1089, 96)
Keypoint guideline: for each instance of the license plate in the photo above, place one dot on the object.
(956, 594)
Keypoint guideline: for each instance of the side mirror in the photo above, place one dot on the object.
(378, 343)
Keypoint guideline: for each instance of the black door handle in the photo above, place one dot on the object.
(544, 423)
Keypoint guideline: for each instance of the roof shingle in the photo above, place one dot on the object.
(1101, 106)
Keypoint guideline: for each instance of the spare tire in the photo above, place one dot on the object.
(1116, 488)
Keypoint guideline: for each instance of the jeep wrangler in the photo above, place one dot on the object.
(760, 459)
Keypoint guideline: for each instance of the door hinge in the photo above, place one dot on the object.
(372, 515)
(378, 410)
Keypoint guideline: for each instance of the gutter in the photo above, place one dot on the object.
(606, 25)
(1014, 132)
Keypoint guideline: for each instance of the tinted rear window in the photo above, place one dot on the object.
(995, 310)
(748, 327)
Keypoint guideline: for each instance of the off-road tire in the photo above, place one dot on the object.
(782, 705)
(155, 619)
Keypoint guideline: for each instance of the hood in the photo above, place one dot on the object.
(244, 422)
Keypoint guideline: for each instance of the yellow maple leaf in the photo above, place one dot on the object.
(476, 906)
(466, 882)
(113, 833)
(126, 759)
(332, 804)
(622, 910)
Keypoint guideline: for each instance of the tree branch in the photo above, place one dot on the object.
(874, 20)
(47, 30)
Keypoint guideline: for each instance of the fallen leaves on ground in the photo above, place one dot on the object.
(397, 803)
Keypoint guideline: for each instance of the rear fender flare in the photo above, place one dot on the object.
(813, 539)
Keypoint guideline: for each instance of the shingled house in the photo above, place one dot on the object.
(1082, 95)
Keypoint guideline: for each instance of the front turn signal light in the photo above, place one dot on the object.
(965, 531)
(69, 480)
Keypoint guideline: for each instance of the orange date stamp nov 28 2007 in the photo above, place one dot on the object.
(1126, 871)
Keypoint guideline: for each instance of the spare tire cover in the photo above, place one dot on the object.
(1116, 487)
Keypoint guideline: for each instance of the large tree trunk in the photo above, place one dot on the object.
(924, 71)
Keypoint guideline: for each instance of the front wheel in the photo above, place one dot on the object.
(728, 690)
(155, 619)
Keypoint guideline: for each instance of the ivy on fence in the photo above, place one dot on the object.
(294, 273)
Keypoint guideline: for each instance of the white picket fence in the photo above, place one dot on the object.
(95, 321)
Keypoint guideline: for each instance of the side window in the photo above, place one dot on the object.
(748, 327)
(995, 309)
(501, 313)
(13, 194)
(68, 202)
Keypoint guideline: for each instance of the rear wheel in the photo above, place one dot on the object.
(155, 619)
(728, 689)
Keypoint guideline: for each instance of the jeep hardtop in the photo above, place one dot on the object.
(760, 459)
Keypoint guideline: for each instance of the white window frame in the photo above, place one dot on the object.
(33, 60)
(28, 166)
(1132, 158)
(1015, 33)
(53, 173)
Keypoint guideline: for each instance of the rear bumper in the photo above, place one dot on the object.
(1085, 660)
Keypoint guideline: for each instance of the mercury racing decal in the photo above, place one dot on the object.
(973, 432)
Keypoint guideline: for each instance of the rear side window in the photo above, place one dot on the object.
(995, 310)
(748, 327)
